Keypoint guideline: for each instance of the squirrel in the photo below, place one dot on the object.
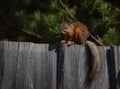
(77, 32)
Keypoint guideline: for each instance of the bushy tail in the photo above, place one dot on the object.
(96, 60)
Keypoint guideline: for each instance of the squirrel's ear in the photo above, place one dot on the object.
(68, 19)
(63, 20)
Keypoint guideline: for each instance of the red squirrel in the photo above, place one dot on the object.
(77, 32)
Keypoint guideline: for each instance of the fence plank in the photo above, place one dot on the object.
(29, 66)
(10, 59)
(117, 65)
(103, 79)
(76, 67)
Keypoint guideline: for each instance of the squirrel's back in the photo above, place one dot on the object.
(80, 32)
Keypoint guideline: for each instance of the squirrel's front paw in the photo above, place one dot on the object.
(62, 41)
(70, 43)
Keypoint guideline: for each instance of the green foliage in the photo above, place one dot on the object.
(45, 24)
(111, 37)
(104, 17)
(44, 17)
(102, 12)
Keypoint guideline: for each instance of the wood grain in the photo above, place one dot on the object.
(76, 67)
(25, 65)
(28, 66)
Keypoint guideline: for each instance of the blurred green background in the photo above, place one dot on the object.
(39, 20)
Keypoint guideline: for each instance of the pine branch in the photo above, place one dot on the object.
(28, 32)
(100, 43)
(11, 24)
(65, 8)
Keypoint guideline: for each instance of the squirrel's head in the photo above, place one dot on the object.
(65, 27)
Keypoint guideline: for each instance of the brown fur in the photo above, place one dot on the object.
(78, 32)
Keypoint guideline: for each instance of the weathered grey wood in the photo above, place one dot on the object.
(117, 65)
(10, 59)
(76, 67)
(102, 82)
(25, 65)
(28, 66)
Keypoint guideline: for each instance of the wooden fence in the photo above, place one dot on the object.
(53, 66)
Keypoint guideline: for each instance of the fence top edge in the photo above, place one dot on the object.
(57, 43)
